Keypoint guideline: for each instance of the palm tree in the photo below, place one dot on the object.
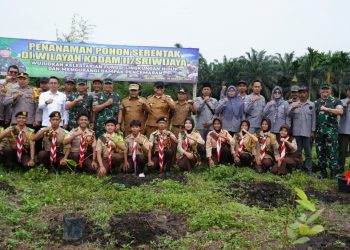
(258, 65)
(310, 64)
(340, 61)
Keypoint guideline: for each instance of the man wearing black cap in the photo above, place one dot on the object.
(110, 149)
(19, 148)
(54, 152)
(344, 131)
(105, 105)
(205, 106)
(79, 102)
(160, 154)
(328, 109)
(133, 107)
(242, 87)
(303, 117)
(23, 98)
(183, 109)
(160, 106)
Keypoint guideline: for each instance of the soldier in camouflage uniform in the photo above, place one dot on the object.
(105, 105)
(79, 102)
(327, 110)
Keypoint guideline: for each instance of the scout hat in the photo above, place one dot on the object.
(162, 119)
(294, 88)
(22, 113)
(55, 114)
(325, 85)
(23, 75)
(111, 120)
(134, 86)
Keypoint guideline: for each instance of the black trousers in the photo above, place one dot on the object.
(344, 142)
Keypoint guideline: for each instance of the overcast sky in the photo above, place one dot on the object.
(217, 28)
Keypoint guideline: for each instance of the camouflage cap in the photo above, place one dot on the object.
(294, 88)
(325, 85)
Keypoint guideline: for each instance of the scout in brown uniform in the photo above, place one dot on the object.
(189, 139)
(82, 144)
(183, 109)
(266, 148)
(19, 147)
(161, 153)
(160, 106)
(54, 152)
(110, 149)
(289, 157)
(245, 145)
(137, 146)
(219, 145)
(133, 107)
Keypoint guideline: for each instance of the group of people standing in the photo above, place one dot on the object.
(103, 133)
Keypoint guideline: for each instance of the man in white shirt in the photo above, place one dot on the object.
(51, 101)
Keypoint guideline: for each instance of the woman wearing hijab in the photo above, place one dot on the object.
(289, 156)
(219, 145)
(267, 147)
(231, 110)
(277, 110)
(187, 148)
(244, 145)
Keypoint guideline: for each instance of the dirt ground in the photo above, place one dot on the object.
(143, 228)
(261, 194)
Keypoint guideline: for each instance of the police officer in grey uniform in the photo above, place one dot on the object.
(22, 99)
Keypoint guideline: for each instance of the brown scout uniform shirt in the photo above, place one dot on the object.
(129, 143)
(133, 110)
(61, 135)
(115, 138)
(212, 140)
(155, 137)
(90, 140)
(158, 108)
(181, 112)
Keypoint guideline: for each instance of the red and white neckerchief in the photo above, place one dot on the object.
(283, 149)
(109, 145)
(133, 154)
(82, 149)
(53, 149)
(240, 145)
(263, 148)
(19, 145)
(161, 152)
(218, 148)
(185, 144)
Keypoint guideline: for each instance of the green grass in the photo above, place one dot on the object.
(214, 219)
